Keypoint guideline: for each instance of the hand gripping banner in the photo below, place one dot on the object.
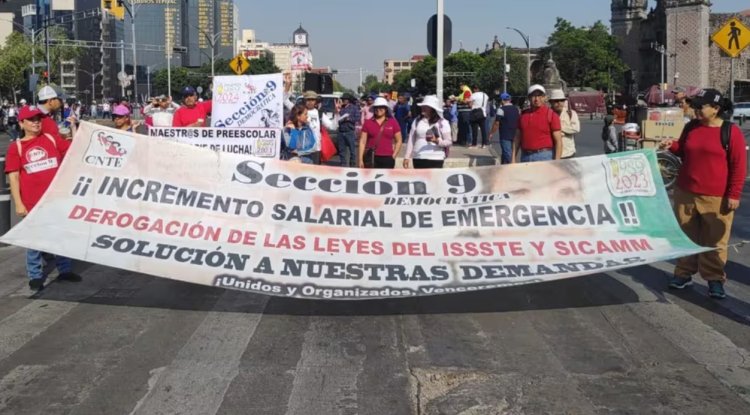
(286, 229)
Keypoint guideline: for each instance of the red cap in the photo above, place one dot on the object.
(28, 111)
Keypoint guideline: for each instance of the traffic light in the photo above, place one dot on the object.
(115, 8)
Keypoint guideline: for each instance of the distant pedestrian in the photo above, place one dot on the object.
(609, 135)
(430, 137)
(506, 121)
(480, 103)
(349, 117)
(709, 189)
(93, 113)
(569, 122)
(13, 122)
(106, 110)
(403, 114)
(382, 135)
(538, 137)
(31, 164)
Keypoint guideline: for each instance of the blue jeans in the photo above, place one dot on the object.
(544, 155)
(35, 267)
(347, 140)
(507, 146)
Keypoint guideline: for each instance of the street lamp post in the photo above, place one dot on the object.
(93, 81)
(663, 51)
(132, 11)
(526, 39)
(211, 39)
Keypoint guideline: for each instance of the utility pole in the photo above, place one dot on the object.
(440, 47)
(122, 66)
(663, 51)
(731, 79)
(169, 67)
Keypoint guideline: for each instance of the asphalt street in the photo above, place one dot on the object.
(615, 343)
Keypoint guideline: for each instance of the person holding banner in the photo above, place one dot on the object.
(299, 138)
(192, 113)
(31, 165)
(380, 141)
(429, 138)
(318, 121)
(709, 188)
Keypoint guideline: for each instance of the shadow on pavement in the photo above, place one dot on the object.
(732, 308)
(134, 290)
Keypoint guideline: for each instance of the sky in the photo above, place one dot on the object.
(351, 34)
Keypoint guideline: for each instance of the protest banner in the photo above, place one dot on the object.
(258, 142)
(318, 232)
(248, 101)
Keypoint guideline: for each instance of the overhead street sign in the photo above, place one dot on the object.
(733, 37)
(239, 64)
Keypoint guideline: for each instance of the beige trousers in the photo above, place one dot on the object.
(707, 222)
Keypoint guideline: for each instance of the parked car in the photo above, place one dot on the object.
(740, 109)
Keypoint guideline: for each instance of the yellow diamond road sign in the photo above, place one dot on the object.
(733, 37)
(239, 64)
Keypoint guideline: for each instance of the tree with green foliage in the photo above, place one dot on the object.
(201, 77)
(585, 56)
(15, 59)
(373, 84)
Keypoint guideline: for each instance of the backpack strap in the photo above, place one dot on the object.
(726, 135)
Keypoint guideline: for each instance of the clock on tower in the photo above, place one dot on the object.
(300, 36)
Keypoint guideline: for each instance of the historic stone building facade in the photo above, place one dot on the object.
(683, 28)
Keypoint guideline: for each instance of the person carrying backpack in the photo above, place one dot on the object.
(709, 188)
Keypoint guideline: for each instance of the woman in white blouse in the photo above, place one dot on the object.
(430, 137)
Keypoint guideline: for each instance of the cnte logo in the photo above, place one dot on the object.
(108, 150)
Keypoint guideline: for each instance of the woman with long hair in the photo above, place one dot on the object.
(429, 138)
(709, 187)
(381, 135)
(299, 139)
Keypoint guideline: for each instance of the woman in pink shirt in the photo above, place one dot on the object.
(382, 134)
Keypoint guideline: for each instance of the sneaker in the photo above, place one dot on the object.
(679, 283)
(36, 284)
(483, 146)
(716, 290)
(69, 276)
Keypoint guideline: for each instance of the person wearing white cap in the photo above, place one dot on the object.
(539, 135)
(380, 140)
(569, 122)
(49, 103)
(429, 138)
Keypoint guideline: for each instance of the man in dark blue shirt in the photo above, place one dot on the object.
(349, 117)
(402, 113)
(507, 122)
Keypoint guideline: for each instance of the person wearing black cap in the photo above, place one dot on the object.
(709, 188)
(192, 113)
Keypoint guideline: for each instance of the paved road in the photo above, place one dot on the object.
(124, 343)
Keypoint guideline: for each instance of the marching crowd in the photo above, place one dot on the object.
(372, 131)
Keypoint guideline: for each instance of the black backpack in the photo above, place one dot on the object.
(726, 132)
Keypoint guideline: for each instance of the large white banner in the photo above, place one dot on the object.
(258, 142)
(301, 59)
(289, 229)
(248, 101)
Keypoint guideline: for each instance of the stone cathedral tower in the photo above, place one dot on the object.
(627, 18)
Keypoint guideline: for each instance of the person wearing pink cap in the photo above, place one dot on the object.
(121, 117)
(31, 165)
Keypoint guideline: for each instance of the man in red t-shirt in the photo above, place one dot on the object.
(31, 164)
(539, 134)
(192, 113)
(49, 104)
